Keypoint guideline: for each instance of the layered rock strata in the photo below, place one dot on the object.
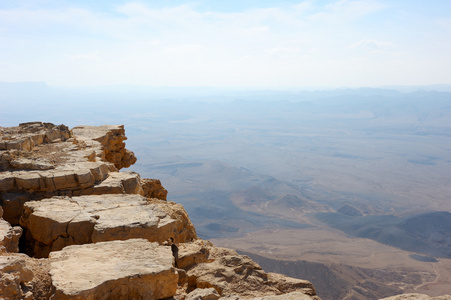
(103, 234)
(52, 224)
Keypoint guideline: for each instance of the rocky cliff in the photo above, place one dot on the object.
(72, 226)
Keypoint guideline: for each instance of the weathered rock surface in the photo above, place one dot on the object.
(51, 224)
(153, 189)
(105, 232)
(203, 294)
(13, 276)
(232, 274)
(111, 140)
(40, 160)
(132, 269)
(415, 296)
(9, 237)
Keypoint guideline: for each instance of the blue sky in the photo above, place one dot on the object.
(248, 43)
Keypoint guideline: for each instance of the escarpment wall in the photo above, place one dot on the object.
(85, 229)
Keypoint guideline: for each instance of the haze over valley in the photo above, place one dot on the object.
(353, 181)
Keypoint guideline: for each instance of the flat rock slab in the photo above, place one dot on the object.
(132, 269)
(51, 224)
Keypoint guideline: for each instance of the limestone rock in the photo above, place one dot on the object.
(9, 237)
(111, 139)
(193, 253)
(233, 274)
(51, 224)
(119, 183)
(415, 296)
(13, 276)
(132, 269)
(153, 189)
(40, 160)
(203, 294)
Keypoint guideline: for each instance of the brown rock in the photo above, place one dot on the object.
(193, 253)
(13, 276)
(40, 160)
(233, 274)
(132, 269)
(9, 237)
(153, 189)
(119, 183)
(57, 222)
(203, 294)
(110, 138)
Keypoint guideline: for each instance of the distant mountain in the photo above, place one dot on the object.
(340, 281)
(428, 233)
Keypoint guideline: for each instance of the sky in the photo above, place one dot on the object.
(246, 43)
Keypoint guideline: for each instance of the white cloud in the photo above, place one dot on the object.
(179, 45)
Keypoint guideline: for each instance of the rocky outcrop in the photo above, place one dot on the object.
(52, 224)
(232, 274)
(132, 269)
(102, 233)
(41, 160)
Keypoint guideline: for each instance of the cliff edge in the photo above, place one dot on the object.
(73, 226)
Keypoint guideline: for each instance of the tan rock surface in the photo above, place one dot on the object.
(233, 274)
(13, 276)
(40, 160)
(203, 294)
(9, 237)
(118, 183)
(54, 223)
(194, 253)
(110, 138)
(132, 269)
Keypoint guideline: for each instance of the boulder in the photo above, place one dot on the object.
(51, 224)
(14, 277)
(132, 269)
